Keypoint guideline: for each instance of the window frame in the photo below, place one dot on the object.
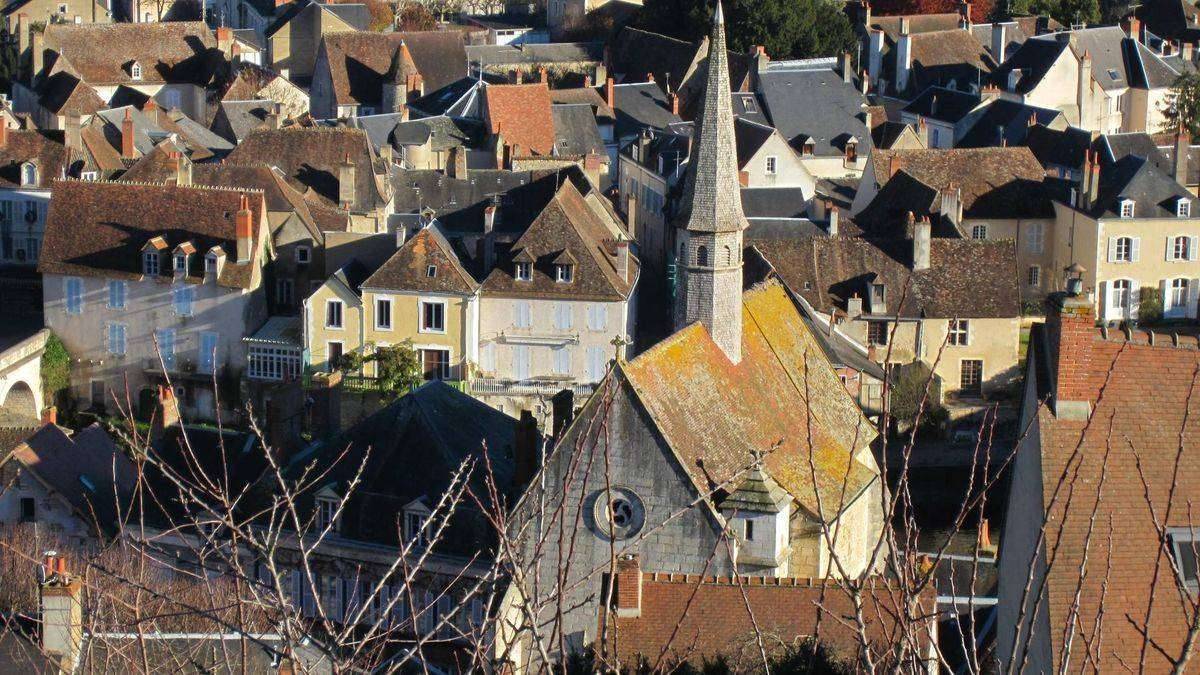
(379, 314)
(958, 332)
(151, 264)
(327, 515)
(523, 271)
(1033, 276)
(68, 283)
(108, 338)
(1127, 256)
(1126, 209)
(416, 529)
(303, 255)
(977, 388)
(330, 303)
(771, 165)
(1183, 208)
(978, 228)
(422, 326)
(183, 300)
(123, 293)
(1177, 535)
(879, 325)
(564, 273)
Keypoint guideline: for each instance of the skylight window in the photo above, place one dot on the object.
(1114, 74)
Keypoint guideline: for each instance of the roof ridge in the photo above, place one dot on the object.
(107, 181)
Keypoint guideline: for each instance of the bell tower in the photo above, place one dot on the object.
(710, 224)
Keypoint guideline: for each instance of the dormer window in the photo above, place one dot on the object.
(327, 511)
(135, 70)
(150, 263)
(852, 151)
(1183, 208)
(564, 273)
(523, 271)
(808, 148)
(213, 261)
(416, 523)
(181, 263)
(1126, 208)
(431, 271)
(29, 174)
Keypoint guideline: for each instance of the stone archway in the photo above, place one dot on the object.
(20, 406)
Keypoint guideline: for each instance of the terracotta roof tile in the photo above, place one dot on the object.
(359, 61)
(409, 268)
(521, 114)
(178, 51)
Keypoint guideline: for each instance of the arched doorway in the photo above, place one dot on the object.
(19, 407)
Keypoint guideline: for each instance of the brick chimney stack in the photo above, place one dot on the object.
(628, 598)
(3, 135)
(1070, 332)
(61, 612)
(346, 183)
(127, 149)
(526, 453)
(609, 86)
(244, 230)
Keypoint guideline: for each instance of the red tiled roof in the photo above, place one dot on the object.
(521, 114)
(692, 618)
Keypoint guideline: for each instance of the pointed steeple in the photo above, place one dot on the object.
(710, 224)
(710, 198)
(398, 81)
(402, 65)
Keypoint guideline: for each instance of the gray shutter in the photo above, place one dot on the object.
(1164, 287)
(1170, 252)
(1112, 249)
(1104, 300)
(1135, 251)
(1193, 297)
(1135, 297)
(1192, 241)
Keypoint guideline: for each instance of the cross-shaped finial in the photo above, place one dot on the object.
(618, 344)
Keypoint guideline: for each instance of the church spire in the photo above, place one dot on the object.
(710, 224)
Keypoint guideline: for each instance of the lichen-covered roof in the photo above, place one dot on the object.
(783, 399)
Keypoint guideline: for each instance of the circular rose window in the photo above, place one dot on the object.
(618, 512)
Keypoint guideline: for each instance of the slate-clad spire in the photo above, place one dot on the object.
(710, 198)
(709, 250)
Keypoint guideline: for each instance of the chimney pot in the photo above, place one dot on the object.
(628, 594)
(1071, 329)
(244, 227)
(127, 148)
(609, 87)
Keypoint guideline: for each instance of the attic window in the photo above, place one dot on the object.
(431, 271)
(852, 151)
(29, 174)
(523, 271)
(808, 148)
(150, 263)
(181, 263)
(748, 104)
(563, 273)
(1183, 208)
(1126, 208)
(1114, 74)
(135, 70)
(326, 513)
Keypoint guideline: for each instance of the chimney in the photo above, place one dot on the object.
(244, 231)
(346, 183)
(847, 70)
(628, 598)
(127, 149)
(903, 57)
(525, 451)
(457, 166)
(50, 415)
(675, 103)
(401, 235)
(543, 75)
(489, 237)
(631, 207)
(951, 203)
(999, 41)
(1085, 82)
(922, 132)
(587, 81)
(609, 87)
(167, 415)
(3, 135)
(893, 165)
(61, 614)
(563, 406)
(964, 15)
(1094, 183)
(854, 306)
(23, 37)
(73, 132)
(1135, 28)
(1071, 329)
(1182, 146)
(37, 47)
(623, 260)
(1186, 50)
(921, 235)
(650, 78)
(272, 119)
(183, 169)
(834, 216)
(225, 41)
(415, 86)
(874, 56)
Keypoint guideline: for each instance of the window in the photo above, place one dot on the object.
(29, 174)
(852, 152)
(959, 332)
(1035, 237)
(1123, 249)
(1126, 208)
(433, 317)
(273, 363)
(166, 347)
(116, 339)
(97, 394)
(564, 273)
(597, 362)
(1184, 547)
(1182, 247)
(772, 165)
(1122, 295)
(333, 314)
(1035, 276)
(383, 313)
(1179, 294)
(1183, 208)
(562, 360)
(207, 358)
(89, 175)
(303, 255)
(522, 315)
(702, 256)
(183, 296)
(431, 271)
(333, 354)
(934, 133)
(326, 512)
(73, 289)
(135, 70)
(62, 8)
(210, 265)
(150, 264)
(749, 530)
(877, 333)
(979, 232)
(181, 260)
(524, 271)
(808, 148)
(971, 376)
(28, 509)
(597, 317)
(284, 292)
(415, 530)
(562, 316)
(487, 357)
(116, 295)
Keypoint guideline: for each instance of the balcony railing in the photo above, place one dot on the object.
(494, 387)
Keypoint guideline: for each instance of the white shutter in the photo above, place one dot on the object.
(1135, 250)
(1135, 297)
(1112, 249)
(1169, 254)
(487, 357)
(1164, 289)
(1105, 301)
(1192, 241)
(1193, 297)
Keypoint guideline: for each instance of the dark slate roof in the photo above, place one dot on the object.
(1034, 59)
(85, 468)
(536, 54)
(783, 228)
(640, 106)
(1170, 19)
(943, 105)
(589, 95)
(757, 493)
(99, 228)
(788, 202)
(1153, 191)
(813, 103)
(1117, 61)
(410, 267)
(1053, 147)
(1118, 146)
(236, 119)
(1167, 162)
(575, 130)
(967, 278)
(416, 445)
(747, 106)
(441, 132)
(358, 61)
(1005, 122)
(311, 157)
(458, 203)
(749, 137)
(567, 224)
(635, 53)
(886, 133)
(181, 51)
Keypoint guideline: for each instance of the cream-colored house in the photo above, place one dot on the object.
(292, 41)
(558, 306)
(138, 278)
(1134, 231)
(903, 299)
(422, 296)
